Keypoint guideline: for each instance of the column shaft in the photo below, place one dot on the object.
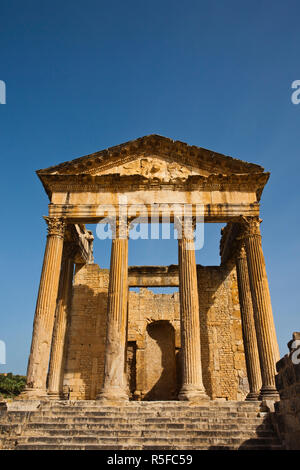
(45, 311)
(115, 383)
(55, 377)
(248, 326)
(263, 316)
(192, 385)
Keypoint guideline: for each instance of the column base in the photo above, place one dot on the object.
(269, 393)
(192, 393)
(112, 395)
(33, 394)
(253, 396)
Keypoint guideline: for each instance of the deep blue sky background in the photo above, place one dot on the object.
(85, 75)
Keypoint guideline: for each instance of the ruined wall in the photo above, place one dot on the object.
(86, 333)
(153, 356)
(287, 410)
(222, 349)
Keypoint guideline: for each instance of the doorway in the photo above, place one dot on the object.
(160, 362)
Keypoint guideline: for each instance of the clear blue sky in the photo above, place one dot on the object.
(85, 75)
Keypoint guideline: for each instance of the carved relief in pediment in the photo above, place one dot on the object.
(151, 167)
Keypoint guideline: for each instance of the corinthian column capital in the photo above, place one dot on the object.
(121, 228)
(185, 227)
(251, 226)
(56, 226)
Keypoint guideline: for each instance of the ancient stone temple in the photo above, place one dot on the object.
(93, 338)
(115, 365)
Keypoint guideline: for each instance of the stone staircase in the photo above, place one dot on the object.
(89, 425)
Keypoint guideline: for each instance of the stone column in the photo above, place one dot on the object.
(248, 326)
(115, 383)
(192, 385)
(45, 311)
(55, 376)
(263, 316)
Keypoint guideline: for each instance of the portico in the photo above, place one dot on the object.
(129, 181)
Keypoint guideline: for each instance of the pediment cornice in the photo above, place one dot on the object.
(154, 145)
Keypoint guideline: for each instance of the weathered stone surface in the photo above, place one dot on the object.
(111, 344)
(224, 376)
(264, 323)
(248, 325)
(58, 349)
(223, 363)
(45, 311)
(114, 381)
(86, 335)
(151, 170)
(139, 425)
(192, 384)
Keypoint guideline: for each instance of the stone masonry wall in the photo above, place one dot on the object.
(155, 369)
(153, 357)
(222, 349)
(87, 333)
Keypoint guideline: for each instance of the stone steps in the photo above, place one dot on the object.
(149, 421)
(39, 447)
(152, 427)
(72, 429)
(147, 433)
(150, 415)
(129, 410)
(148, 404)
(152, 410)
(125, 441)
(138, 418)
(160, 414)
(147, 425)
(49, 417)
(153, 424)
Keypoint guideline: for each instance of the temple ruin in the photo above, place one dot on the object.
(94, 339)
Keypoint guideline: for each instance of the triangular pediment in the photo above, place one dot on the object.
(152, 157)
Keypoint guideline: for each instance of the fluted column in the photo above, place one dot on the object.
(262, 308)
(55, 376)
(115, 384)
(192, 385)
(45, 311)
(248, 326)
